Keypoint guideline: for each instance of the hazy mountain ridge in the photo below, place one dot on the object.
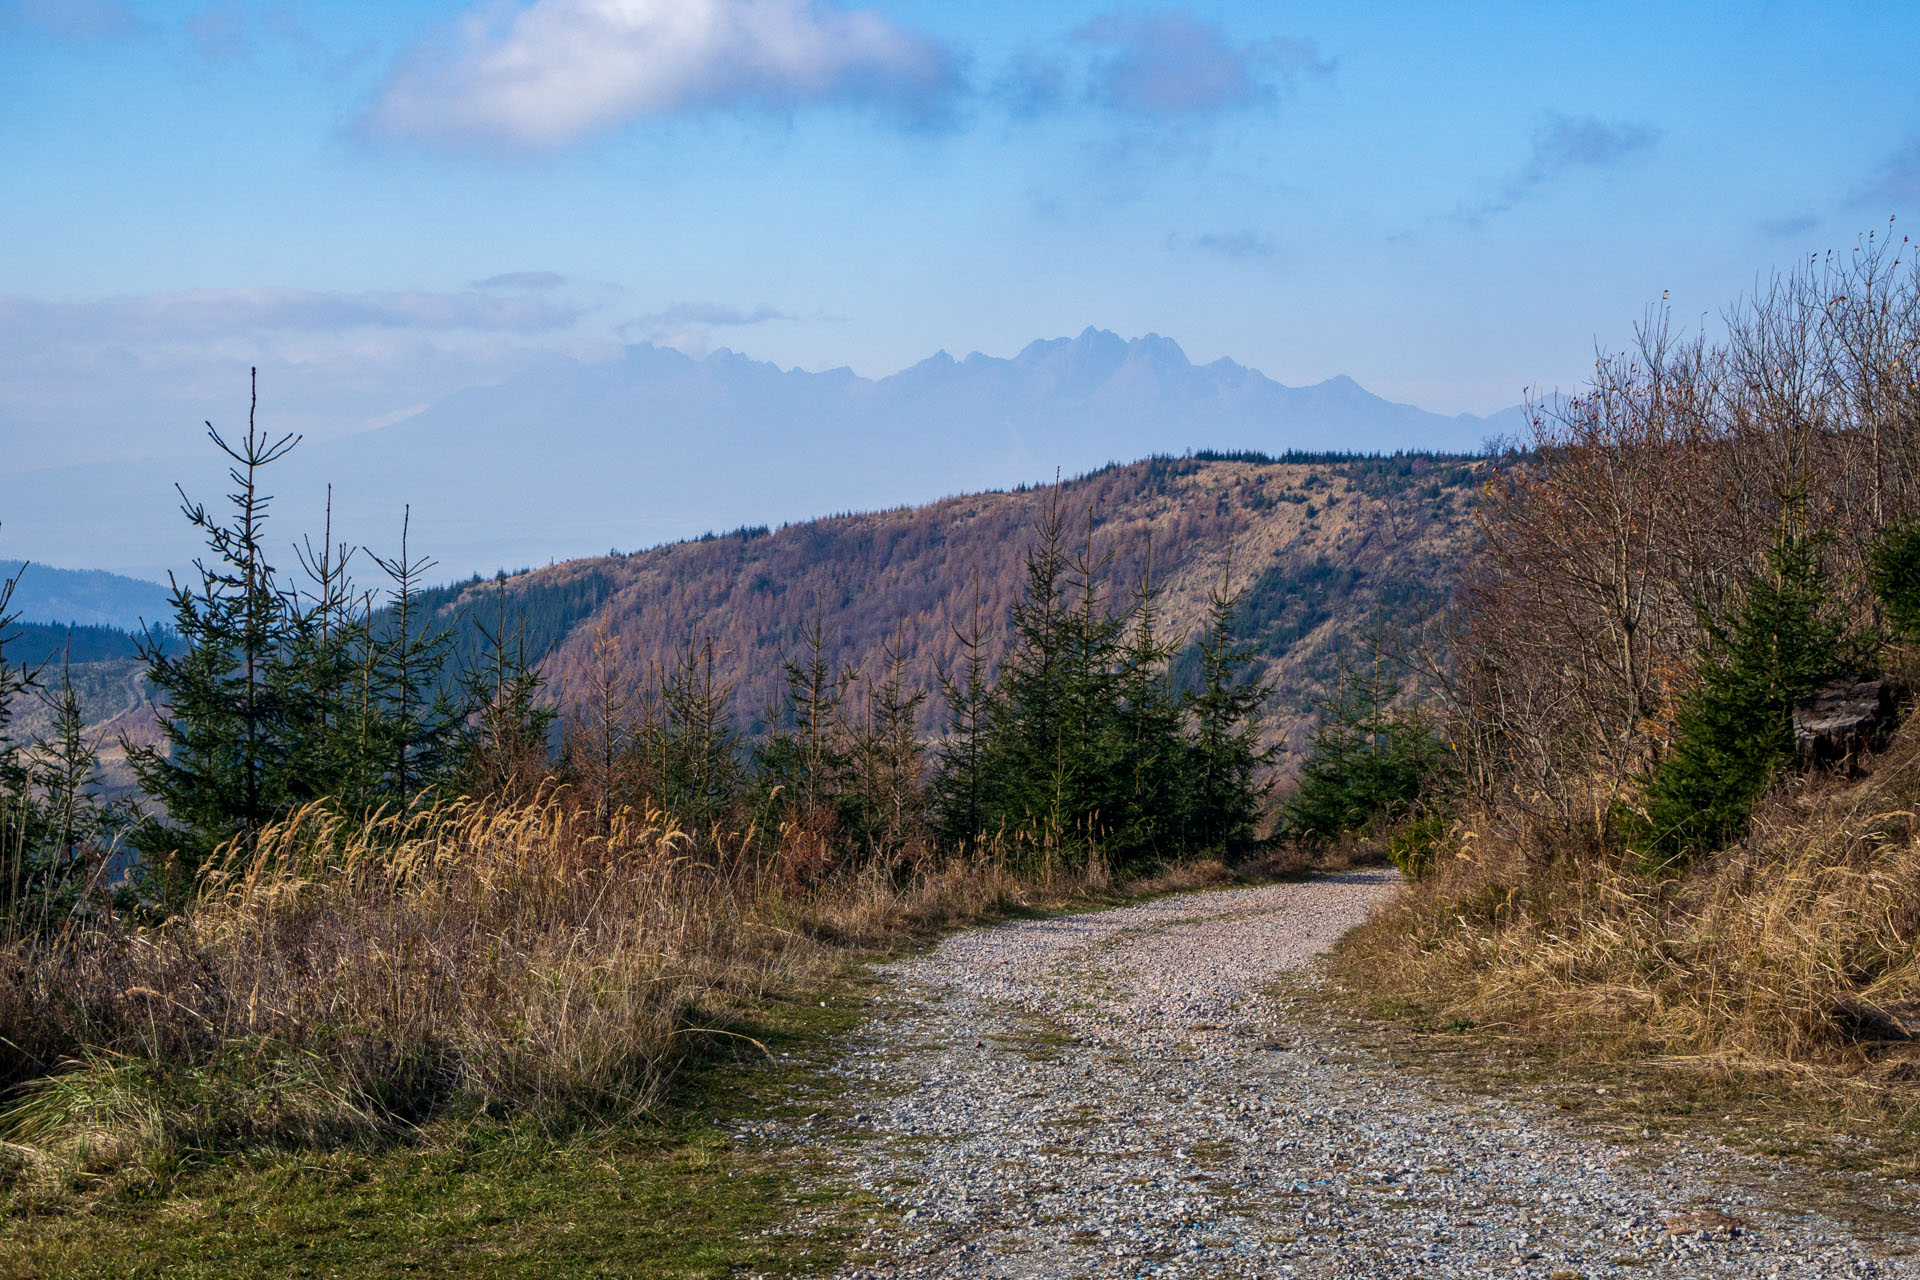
(571, 457)
(83, 597)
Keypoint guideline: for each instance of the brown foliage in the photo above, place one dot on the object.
(1649, 498)
(1607, 554)
(910, 577)
(346, 981)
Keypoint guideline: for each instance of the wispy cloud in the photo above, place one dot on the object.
(74, 19)
(1896, 183)
(1235, 244)
(556, 71)
(1564, 145)
(220, 31)
(1789, 227)
(212, 313)
(1170, 62)
(689, 326)
(521, 280)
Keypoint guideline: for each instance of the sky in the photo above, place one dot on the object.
(382, 204)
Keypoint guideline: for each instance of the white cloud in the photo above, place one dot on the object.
(556, 71)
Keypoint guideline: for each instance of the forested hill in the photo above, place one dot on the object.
(1325, 547)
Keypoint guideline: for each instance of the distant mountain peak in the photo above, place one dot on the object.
(575, 455)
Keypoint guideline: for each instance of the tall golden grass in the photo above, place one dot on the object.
(1793, 956)
(342, 980)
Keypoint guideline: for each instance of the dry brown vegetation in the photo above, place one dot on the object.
(1789, 960)
(914, 577)
(345, 983)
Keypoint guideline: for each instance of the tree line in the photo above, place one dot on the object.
(277, 687)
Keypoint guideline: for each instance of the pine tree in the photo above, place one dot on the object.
(959, 782)
(326, 635)
(804, 755)
(884, 808)
(1029, 738)
(1225, 759)
(693, 748)
(600, 744)
(17, 816)
(1369, 761)
(1895, 571)
(224, 771)
(1089, 784)
(1147, 810)
(501, 749)
(1734, 732)
(416, 723)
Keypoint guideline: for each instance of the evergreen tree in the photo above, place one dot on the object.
(959, 782)
(224, 770)
(1369, 762)
(804, 757)
(326, 635)
(416, 722)
(600, 747)
(883, 809)
(1896, 578)
(693, 748)
(1030, 739)
(1225, 759)
(501, 748)
(1146, 751)
(1734, 732)
(17, 816)
(1090, 788)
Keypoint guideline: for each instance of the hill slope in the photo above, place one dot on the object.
(1323, 548)
(83, 597)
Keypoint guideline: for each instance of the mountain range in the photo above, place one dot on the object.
(572, 457)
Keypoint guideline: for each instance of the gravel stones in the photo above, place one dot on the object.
(1117, 1094)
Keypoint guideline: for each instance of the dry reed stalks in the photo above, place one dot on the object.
(343, 980)
(1793, 956)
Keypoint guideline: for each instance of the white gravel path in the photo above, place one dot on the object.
(1116, 1094)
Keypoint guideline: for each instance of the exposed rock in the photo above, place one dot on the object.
(1842, 720)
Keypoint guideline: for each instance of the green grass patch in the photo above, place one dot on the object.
(669, 1197)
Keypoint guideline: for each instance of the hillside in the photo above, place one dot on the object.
(82, 597)
(1323, 546)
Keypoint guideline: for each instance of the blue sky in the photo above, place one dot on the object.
(380, 204)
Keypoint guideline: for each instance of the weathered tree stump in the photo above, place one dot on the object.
(1842, 720)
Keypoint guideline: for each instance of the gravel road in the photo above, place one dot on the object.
(1120, 1094)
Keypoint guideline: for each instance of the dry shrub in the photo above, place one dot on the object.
(349, 981)
(1794, 955)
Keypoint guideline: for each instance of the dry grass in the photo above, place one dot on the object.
(1791, 962)
(348, 982)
